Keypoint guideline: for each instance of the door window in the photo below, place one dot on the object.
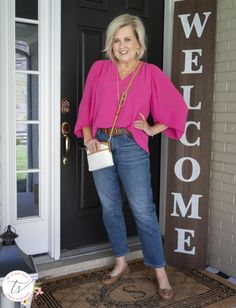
(27, 9)
(26, 46)
(27, 109)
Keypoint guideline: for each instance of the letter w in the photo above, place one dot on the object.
(196, 23)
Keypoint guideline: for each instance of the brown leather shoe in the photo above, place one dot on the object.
(108, 280)
(166, 293)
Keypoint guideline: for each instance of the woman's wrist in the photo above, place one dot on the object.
(87, 134)
(87, 140)
(151, 132)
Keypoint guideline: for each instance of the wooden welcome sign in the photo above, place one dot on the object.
(189, 159)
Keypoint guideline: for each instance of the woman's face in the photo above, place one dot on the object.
(125, 45)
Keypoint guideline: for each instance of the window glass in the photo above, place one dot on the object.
(26, 46)
(27, 146)
(27, 195)
(27, 9)
(26, 97)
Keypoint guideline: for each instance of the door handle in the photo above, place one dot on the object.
(65, 129)
(67, 150)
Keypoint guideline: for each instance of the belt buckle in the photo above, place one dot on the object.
(115, 131)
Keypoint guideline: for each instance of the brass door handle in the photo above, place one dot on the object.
(65, 129)
(67, 150)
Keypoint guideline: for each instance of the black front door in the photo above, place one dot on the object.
(83, 33)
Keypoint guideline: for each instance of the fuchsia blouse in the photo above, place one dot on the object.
(150, 91)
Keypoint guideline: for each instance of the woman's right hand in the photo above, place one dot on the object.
(92, 145)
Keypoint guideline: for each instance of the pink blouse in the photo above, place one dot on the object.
(150, 91)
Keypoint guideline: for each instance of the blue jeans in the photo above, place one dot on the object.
(132, 167)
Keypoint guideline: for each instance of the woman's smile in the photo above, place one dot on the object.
(123, 52)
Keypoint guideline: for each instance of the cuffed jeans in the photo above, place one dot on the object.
(132, 167)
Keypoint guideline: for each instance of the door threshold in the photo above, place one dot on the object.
(83, 259)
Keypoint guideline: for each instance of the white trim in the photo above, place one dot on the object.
(167, 59)
(168, 35)
(27, 72)
(28, 122)
(7, 64)
(28, 171)
(55, 159)
(27, 21)
(3, 97)
(12, 116)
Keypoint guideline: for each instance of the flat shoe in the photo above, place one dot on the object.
(108, 280)
(166, 293)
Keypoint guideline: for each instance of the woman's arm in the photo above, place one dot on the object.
(156, 129)
(149, 130)
(87, 134)
(92, 144)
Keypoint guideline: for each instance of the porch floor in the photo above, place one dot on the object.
(192, 288)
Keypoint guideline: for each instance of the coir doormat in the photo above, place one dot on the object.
(193, 289)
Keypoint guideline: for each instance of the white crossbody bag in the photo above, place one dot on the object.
(100, 159)
(103, 157)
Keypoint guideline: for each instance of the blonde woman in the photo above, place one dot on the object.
(151, 91)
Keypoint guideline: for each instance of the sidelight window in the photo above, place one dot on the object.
(27, 137)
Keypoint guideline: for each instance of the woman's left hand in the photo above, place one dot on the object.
(143, 125)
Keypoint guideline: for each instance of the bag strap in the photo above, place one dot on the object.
(122, 99)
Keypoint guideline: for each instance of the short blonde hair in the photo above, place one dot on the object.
(122, 21)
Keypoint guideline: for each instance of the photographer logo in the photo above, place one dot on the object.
(17, 286)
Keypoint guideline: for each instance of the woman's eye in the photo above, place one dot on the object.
(128, 39)
(115, 41)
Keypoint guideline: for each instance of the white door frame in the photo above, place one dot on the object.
(53, 26)
(55, 30)
(167, 62)
(6, 96)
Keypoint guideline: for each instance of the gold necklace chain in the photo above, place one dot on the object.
(126, 72)
(117, 80)
(123, 98)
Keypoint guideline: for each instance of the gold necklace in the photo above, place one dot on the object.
(121, 99)
(126, 72)
(117, 81)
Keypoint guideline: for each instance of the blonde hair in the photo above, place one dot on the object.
(122, 21)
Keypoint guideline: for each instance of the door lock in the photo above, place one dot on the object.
(65, 105)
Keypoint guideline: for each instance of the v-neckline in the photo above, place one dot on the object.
(132, 72)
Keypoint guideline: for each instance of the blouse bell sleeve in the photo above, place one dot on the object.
(167, 105)
(84, 117)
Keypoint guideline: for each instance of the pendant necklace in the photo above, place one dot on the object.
(117, 80)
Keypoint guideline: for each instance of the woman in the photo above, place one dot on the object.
(151, 91)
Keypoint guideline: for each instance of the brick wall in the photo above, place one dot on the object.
(222, 202)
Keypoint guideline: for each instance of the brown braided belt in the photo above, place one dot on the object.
(116, 131)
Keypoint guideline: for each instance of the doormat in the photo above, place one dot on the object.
(192, 288)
